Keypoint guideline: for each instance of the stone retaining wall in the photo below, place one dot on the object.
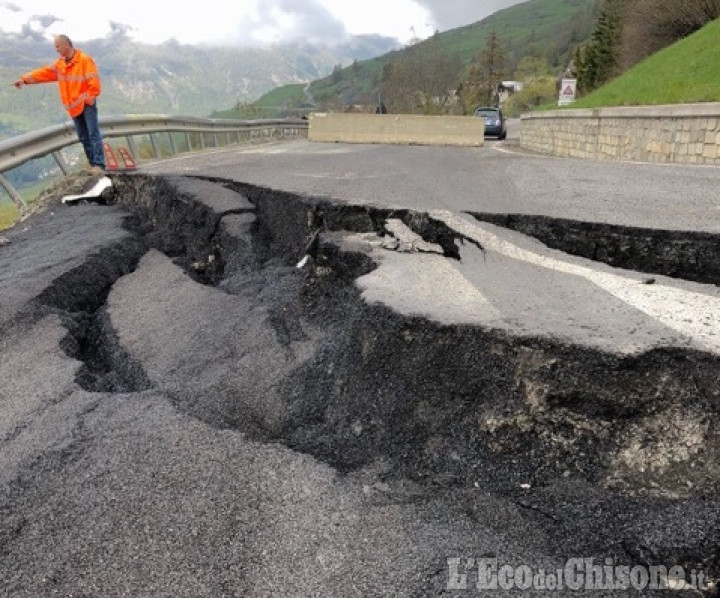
(687, 133)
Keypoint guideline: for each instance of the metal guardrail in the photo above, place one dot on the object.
(49, 141)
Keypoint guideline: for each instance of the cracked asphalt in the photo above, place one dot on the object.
(209, 464)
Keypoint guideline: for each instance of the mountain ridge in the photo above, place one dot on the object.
(170, 78)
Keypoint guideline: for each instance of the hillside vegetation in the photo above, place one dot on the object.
(8, 214)
(627, 31)
(686, 72)
(546, 29)
(533, 42)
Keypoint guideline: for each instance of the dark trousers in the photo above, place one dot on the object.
(88, 132)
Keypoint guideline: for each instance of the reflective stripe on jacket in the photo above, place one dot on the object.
(77, 80)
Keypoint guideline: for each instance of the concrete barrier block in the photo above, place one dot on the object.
(401, 129)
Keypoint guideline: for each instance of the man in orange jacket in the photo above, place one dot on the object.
(79, 84)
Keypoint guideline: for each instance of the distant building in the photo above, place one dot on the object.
(507, 88)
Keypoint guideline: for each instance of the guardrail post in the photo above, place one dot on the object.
(172, 144)
(14, 195)
(217, 141)
(60, 161)
(156, 153)
(131, 147)
(187, 142)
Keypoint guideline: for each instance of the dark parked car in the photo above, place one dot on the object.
(494, 121)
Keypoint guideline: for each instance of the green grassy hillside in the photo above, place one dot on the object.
(536, 28)
(281, 101)
(686, 72)
(8, 214)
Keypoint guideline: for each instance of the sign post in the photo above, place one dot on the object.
(568, 87)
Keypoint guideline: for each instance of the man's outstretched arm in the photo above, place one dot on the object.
(44, 74)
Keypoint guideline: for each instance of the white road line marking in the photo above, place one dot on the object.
(524, 154)
(692, 314)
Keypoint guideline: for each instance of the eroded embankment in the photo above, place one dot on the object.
(302, 359)
(455, 401)
(458, 400)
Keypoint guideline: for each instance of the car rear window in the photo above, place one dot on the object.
(486, 112)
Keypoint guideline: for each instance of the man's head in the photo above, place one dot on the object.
(64, 46)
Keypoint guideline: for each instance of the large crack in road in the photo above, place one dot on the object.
(688, 255)
(263, 409)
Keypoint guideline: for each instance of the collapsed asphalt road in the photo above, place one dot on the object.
(186, 412)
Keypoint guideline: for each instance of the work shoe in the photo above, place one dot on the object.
(95, 170)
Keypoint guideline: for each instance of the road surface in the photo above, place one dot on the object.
(496, 178)
(186, 412)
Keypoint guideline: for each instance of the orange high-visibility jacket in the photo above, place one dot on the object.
(77, 80)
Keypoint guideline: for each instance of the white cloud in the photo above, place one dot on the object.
(455, 13)
(393, 18)
(224, 21)
(12, 17)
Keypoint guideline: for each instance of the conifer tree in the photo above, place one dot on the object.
(484, 75)
(597, 61)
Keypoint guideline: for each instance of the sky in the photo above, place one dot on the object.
(241, 22)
